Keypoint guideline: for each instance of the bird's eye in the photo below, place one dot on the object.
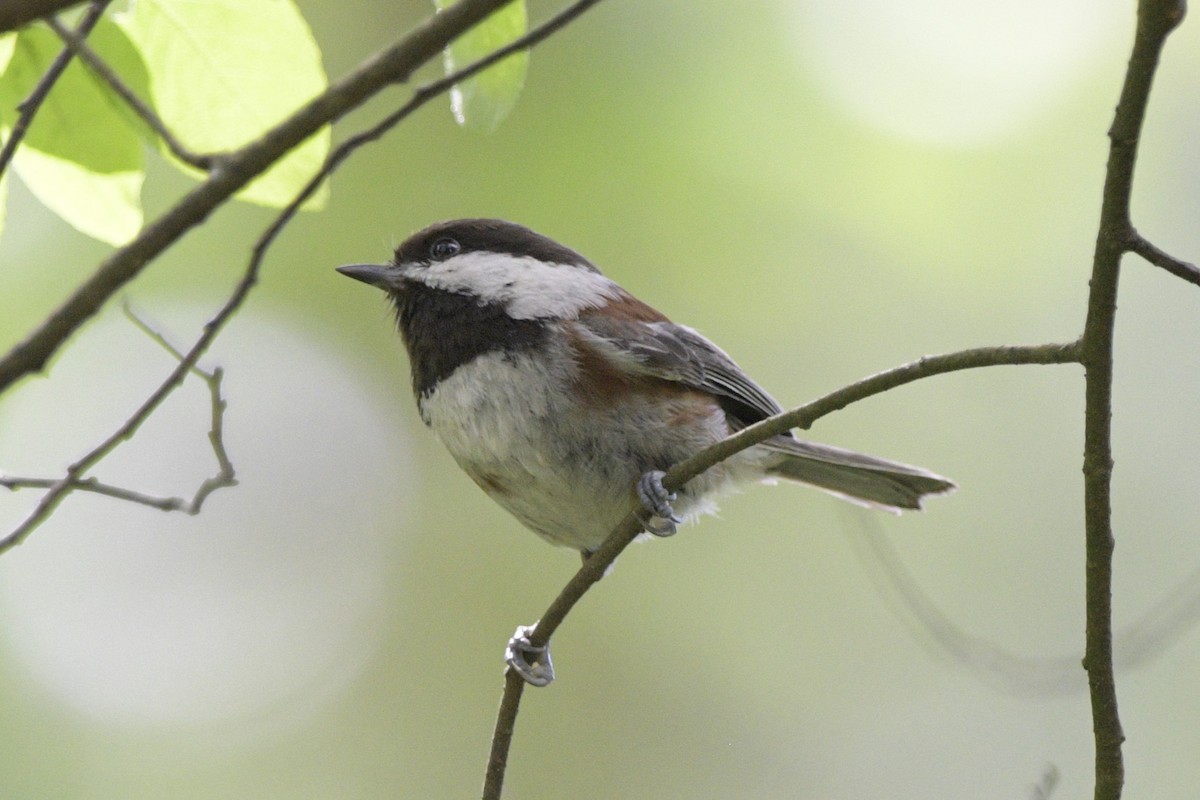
(444, 248)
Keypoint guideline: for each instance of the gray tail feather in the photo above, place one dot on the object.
(854, 476)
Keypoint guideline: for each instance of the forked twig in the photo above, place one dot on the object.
(225, 476)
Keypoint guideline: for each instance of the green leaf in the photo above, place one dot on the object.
(110, 42)
(80, 157)
(8, 41)
(224, 71)
(105, 206)
(482, 102)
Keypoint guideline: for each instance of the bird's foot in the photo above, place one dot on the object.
(657, 501)
(531, 663)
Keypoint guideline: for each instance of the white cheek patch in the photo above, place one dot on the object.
(527, 287)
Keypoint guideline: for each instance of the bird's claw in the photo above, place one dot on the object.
(531, 663)
(657, 501)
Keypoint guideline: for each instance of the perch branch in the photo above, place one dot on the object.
(593, 568)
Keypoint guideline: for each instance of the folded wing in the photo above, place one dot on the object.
(661, 349)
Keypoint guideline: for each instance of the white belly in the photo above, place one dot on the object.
(565, 470)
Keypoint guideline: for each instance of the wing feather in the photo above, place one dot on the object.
(653, 346)
(662, 349)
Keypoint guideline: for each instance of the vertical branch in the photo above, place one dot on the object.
(1156, 19)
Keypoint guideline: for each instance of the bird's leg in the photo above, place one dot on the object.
(657, 501)
(531, 663)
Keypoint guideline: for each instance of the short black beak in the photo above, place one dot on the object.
(374, 274)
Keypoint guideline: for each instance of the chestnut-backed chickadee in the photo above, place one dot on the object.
(564, 397)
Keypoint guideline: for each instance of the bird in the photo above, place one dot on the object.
(565, 398)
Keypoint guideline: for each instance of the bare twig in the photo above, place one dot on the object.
(29, 106)
(1156, 20)
(59, 488)
(213, 327)
(226, 475)
(96, 487)
(145, 113)
(804, 416)
(395, 64)
(1161, 258)
(593, 568)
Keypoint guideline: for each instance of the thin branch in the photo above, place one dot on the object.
(156, 336)
(59, 488)
(145, 113)
(29, 106)
(226, 475)
(394, 64)
(213, 327)
(1156, 20)
(802, 417)
(594, 568)
(427, 92)
(502, 735)
(1161, 258)
(96, 487)
(928, 366)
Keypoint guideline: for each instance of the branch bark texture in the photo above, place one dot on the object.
(1155, 21)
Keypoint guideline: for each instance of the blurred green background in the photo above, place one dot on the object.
(826, 190)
